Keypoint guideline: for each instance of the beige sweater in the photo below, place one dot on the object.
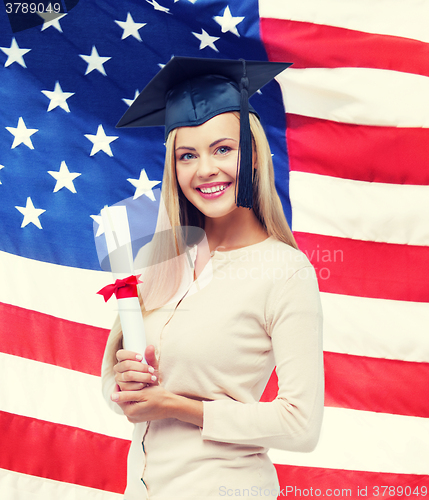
(251, 309)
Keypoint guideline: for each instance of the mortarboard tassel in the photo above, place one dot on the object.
(244, 196)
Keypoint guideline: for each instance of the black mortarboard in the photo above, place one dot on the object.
(188, 91)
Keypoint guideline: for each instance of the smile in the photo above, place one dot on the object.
(212, 191)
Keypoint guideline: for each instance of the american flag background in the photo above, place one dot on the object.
(351, 158)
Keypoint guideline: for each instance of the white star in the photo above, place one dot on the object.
(130, 101)
(95, 61)
(31, 214)
(101, 141)
(99, 220)
(130, 27)
(143, 186)
(1, 166)
(206, 40)
(22, 134)
(51, 19)
(14, 54)
(227, 22)
(64, 178)
(159, 7)
(58, 97)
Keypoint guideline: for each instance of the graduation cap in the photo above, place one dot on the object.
(188, 91)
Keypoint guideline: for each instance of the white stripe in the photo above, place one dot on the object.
(366, 441)
(55, 394)
(388, 17)
(16, 486)
(61, 291)
(362, 96)
(376, 328)
(369, 211)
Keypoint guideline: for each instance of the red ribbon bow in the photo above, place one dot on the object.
(123, 289)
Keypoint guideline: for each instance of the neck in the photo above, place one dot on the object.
(239, 229)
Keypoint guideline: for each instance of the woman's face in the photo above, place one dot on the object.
(206, 164)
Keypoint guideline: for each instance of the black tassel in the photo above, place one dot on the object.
(244, 196)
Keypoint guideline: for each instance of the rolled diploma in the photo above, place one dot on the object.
(118, 239)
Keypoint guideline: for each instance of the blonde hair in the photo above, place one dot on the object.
(266, 202)
(165, 263)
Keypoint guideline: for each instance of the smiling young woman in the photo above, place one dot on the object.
(206, 159)
(215, 334)
(206, 164)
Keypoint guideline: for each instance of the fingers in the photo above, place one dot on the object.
(125, 397)
(123, 354)
(123, 374)
(132, 373)
(130, 361)
(150, 357)
(129, 379)
(151, 361)
(128, 402)
(142, 396)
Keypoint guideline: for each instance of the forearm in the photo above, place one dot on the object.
(155, 403)
(187, 410)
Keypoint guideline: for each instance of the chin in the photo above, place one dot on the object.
(217, 213)
(212, 208)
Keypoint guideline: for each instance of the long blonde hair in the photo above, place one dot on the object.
(165, 263)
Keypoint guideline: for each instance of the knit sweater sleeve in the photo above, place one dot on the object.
(293, 420)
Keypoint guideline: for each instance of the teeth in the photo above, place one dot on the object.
(214, 189)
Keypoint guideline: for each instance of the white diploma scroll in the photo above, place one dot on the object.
(118, 239)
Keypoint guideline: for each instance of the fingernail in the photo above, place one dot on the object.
(151, 369)
(139, 357)
(153, 378)
(115, 396)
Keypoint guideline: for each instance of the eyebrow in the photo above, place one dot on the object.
(220, 140)
(211, 145)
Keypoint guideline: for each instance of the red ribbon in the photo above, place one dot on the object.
(123, 289)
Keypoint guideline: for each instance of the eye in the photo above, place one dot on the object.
(186, 156)
(223, 150)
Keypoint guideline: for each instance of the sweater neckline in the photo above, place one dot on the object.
(238, 252)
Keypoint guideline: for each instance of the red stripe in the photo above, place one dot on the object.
(271, 389)
(364, 153)
(368, 269)
(310, 45)
(63, 453)
(44, 338)
(371, 384)
(374, 384)
(296, 482)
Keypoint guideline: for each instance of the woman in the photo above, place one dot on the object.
(250, 304)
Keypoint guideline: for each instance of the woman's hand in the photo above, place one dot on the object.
(132, 373)
(155, 403)
(141, 397)
(151, 403)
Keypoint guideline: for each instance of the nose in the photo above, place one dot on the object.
(207, 167)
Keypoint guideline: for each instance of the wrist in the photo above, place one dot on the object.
(186, 409)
